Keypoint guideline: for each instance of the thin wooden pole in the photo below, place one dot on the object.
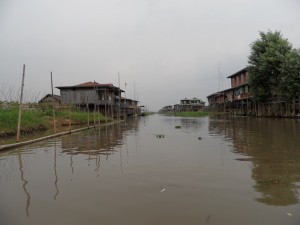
(95, 99)
(70, 126)
(20, 106)
(119, 97)
(53, 111)
(125, 114)
(105, 105)
(99, 118)
(112, 104)
(88, 111)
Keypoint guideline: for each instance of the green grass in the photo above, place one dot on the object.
(38, 118)
(30, 119)
(191, 114)
(149, 113)
(81, 117)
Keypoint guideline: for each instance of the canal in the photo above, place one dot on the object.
(158, 170)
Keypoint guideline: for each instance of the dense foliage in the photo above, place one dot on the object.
(274, 68)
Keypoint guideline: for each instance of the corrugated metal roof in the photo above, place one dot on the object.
(239, 72)
(89, 84)
(216, 94)
(93, 84)
(57, 97)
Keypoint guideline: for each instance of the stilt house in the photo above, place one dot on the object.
(93, 96)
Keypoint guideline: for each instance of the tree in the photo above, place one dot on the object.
(289, 84)
(273, 68)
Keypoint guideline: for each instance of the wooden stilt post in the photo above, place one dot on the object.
(20, 105)
(125, 113)
(105, 105)
(99, 118)
(112, 107)
(94, 111)
(119, 97)
(70, 126)
(88, 112)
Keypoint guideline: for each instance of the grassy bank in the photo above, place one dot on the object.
(149, 113)
(38, 120)
(189, 114)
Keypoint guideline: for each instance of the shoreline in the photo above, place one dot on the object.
(23, 143)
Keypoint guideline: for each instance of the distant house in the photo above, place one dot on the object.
(177, 108)
(193, 104)
(130, 106)
(92, 95)
(49, 98)
(167, 108)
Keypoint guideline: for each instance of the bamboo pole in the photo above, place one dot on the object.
(20, 106)
(70, 126)
(94, 111)
(125, 115)
(99, 118)
(112, 107)
(119, 97)
(88, 111)
(53, 111)
(105, 106)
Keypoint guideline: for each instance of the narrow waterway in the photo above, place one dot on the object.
(147, 171)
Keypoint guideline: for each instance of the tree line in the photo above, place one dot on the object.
(274, 68)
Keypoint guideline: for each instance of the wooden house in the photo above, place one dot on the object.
(167, 108)
(238, 100)
(50, 99)
(216, 99)
(236, 97)
(239, 90)
(239, 86)
(129, 106)
(92, 96)
(193, 104)
(177, 108)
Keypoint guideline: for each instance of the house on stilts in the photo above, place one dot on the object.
(238, 100)
(93, 96)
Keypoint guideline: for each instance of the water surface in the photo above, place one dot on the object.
(210, 171)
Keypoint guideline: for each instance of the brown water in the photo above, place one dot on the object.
(210, 171)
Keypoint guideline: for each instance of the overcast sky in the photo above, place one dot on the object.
(167, 49)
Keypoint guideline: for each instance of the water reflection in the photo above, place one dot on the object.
(55, 173)
(91, 144)
(187, 124)
(25, 182)
(230, 176)
(272, 146)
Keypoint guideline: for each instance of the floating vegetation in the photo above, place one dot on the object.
(177, 127)
(160, 136)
